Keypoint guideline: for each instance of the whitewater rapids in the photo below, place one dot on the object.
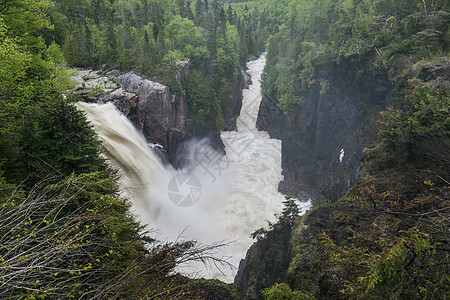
(214, 198)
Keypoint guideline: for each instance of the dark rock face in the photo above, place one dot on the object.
(265, 263)
(234, 104)
(322, 146)
(156, 113)
(160, 117)
(124, 101)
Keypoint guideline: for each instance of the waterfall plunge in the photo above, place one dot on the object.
(213, 198)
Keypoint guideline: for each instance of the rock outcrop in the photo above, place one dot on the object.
(156, 115)
(161, 116)
(324, 141)
(233, 106)
(91, 80)
(265, 263)
(125, 101)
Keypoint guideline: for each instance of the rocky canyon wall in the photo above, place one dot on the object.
(324, 141)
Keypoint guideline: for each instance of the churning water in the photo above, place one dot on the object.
(213, 198)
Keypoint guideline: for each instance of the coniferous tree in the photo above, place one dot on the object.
(199, 13)
(189, 13)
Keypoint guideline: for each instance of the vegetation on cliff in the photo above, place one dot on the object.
(388, 236)
(387, 36)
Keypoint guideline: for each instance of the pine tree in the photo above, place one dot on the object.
(290, 210)
(189, 13)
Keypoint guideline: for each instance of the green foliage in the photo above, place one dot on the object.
(412, 133)
(68, 238)
(184, 36)
(387, 272)
(30, 71)
(280, 291)
(290, 210)
(13, 70)
(203, 107)
(198, 96)
(56, 139)
(25, 20)
(39, 131)
(317, 33)
(5, 188)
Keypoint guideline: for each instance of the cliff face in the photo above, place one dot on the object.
(233, 106)
(368, 244)
(265, 263)
(155, 112)
(297, 256)
(324, 141)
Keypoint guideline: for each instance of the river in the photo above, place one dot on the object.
(213, 198)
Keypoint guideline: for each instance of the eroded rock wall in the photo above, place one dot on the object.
(324, 141)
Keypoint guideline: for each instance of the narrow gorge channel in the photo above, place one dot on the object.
(213, 197)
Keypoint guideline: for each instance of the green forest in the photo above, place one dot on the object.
(65, 231)
(152, 36)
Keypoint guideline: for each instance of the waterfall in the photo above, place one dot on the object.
(213, 198)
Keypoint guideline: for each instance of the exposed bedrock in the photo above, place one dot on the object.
(324, 141)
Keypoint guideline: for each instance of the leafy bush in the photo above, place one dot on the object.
(424, 122)
(71, 238)
(281, 291)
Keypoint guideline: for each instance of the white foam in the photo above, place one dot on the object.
(234, 195)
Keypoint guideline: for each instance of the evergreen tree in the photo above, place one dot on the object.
(199, 13)
(230, 15)
(290, 210)
(182, 8)
(189, 13)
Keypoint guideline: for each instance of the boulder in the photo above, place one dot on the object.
(93, 81)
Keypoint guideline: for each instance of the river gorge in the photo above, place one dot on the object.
(211, 198)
